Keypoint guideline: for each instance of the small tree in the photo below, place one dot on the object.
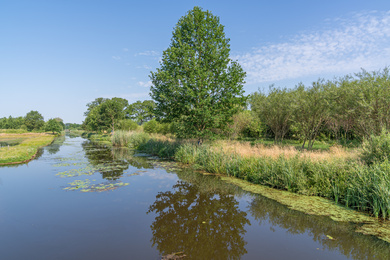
(274, 109)
(53, 125)
(198, 85)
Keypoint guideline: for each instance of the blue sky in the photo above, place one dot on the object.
(56, 56)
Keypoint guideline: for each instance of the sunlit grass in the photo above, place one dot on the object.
(26, 149)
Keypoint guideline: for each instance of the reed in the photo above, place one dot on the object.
(335, 174)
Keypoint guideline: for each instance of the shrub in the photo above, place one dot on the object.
(136, 139)
(376, 148)
(151, 126)
(127, 124)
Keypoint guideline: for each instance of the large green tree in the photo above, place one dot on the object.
(141, 111)
(33, 120)
(105, 115)
(197, 84)
(53, 125)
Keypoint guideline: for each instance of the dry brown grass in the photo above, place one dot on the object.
(275, 151)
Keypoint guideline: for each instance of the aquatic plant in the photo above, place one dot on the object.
(342, 179)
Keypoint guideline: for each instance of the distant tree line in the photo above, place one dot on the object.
(32, 121)
(351, 107)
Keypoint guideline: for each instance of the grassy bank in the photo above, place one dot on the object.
(25, 150)
(337, 175)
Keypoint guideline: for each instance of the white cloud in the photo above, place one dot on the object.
(144, 67)
(359, 42)
(147, 53)
(116, 57)
(144, 84)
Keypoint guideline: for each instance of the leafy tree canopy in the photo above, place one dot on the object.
(53, 125)
(33, 120)
(141, 111)
(197, 84)
(104, 114)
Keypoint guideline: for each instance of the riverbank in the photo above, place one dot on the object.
(26, 148)
(334, 183)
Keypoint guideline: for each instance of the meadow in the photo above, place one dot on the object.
(21, 147)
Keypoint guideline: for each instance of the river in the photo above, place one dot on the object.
(80, 200)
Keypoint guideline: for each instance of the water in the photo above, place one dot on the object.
(79, 200)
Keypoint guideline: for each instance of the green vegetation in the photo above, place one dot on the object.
(198, 86)
(104, 114)
(25, 150)
(141, 112)
(343, 179)
(349, 108)
(34, 120)
(53, 125)
(376, 148)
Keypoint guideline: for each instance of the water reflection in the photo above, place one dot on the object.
(55, 146)
(201, 221)
(99, 155)
(321, 229)
(112, 163)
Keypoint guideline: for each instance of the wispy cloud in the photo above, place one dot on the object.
(144, 67)
(362, 41)
(145, 84)
(147, 53)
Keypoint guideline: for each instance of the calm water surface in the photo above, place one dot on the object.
(79, 200)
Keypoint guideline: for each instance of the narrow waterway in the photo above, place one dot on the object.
(79, 200)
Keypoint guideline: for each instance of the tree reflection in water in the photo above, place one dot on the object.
(201, 223)
(346, 241)
(112, 162)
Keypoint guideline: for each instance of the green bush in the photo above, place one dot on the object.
(127, 125)
(376, 148)
(151, 126)
(137, 139)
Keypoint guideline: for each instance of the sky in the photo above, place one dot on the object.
(56, 56)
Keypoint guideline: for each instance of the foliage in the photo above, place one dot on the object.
(376, 148)
(275, 110)
(72, 126)
(141, 112)
(361, 187)
(198, 85)
(33, 120)
(121, 138)
(52, 125)
(310, 110)
(12, 122)
(245, 124)
(127, 125)
(104, 114)
(345, 109)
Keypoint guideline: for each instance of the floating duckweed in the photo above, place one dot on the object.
(87, 186)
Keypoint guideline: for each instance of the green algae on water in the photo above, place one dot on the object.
(87, 186)
(319, 206)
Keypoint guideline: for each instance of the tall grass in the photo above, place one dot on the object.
(130, 139)
(337, 175)
(340, 178)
